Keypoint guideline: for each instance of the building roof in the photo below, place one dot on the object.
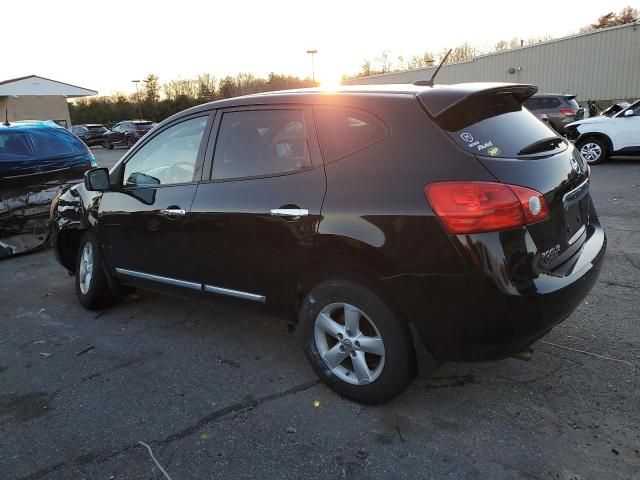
(36, 85)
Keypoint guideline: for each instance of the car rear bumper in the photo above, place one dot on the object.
(487, 315)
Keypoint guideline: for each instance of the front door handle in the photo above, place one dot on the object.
(289, 212)
(173, 213)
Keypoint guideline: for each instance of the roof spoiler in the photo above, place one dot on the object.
(439, 100)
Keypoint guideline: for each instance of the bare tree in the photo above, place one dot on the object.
(501, 45)
(206, 87)
(385, 62)
(422, 60)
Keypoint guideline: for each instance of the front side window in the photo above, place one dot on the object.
(261, 142)
(168, 158)
(14, 144)
(343, 132)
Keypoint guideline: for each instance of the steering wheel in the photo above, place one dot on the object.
(174, 174)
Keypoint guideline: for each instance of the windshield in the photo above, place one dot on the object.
(634, 106)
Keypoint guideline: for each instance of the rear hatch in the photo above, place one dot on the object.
(520, 150)
(96, 130)
(578, 112)
(143, 127)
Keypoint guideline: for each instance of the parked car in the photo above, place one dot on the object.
(398, 226)
(544, 119)
(597, 138)
(560, 109)
(127, 133)
(37, 160)
(91, 133)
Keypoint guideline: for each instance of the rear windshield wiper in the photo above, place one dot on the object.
(542, 145)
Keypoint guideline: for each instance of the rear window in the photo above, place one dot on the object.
(14, 144)
(97, 128)
(343, 132)
(493, 125)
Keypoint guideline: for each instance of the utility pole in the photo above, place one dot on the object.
(313, 53)
(138, 98)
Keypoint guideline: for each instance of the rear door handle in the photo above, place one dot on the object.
(173, 213)
(289, 212)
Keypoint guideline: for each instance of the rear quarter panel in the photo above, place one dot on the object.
(375, 206)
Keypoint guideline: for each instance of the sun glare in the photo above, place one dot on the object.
(330, 79)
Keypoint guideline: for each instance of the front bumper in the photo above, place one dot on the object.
(486, 315)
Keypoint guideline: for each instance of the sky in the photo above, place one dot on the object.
(105, 45)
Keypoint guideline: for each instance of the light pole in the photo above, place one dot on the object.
(138, 98)
(313, 53)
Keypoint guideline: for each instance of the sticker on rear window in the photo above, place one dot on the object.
(467, 137)
(494, 151)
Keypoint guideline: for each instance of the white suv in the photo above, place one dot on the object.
(599, 137)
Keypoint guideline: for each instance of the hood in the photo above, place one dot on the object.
(598, 119)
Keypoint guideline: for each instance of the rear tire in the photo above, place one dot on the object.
(92, 286)
(593, 150)
(107, 145)
(355, 342)
(130, 142)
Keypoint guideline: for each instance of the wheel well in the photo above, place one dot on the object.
(68, 244)
(599, 136)
(337, 267)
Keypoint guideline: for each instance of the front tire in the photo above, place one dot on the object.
(593, 150)
(355, 342)
(92, 287)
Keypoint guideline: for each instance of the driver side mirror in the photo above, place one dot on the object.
(628, 113)
(97, 180)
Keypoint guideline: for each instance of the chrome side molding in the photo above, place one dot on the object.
(193, 285)
(160, 279)
(235, 293)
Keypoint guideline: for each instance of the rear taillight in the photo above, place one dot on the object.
(568, 112)
(476, 207)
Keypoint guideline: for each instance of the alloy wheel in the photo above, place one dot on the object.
(349, 343)
(591, 152)
(85, 272)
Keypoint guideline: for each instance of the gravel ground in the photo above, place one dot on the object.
(225, 392)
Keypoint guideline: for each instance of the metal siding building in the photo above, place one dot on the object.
(603, 65)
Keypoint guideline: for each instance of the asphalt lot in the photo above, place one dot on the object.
(223, 392)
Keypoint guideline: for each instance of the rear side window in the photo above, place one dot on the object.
(343, 132)
(55, 143)
(494, 125)
(261, 142)
(14, 144)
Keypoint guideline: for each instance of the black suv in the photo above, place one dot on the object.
(560, 109)
(91, 133)
(399, 226)
(127, 133)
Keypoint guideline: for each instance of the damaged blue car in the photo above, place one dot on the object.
(38, 160)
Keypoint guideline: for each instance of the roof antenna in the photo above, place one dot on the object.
(6, 118)
(430, 82)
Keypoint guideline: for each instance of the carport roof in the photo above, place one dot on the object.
(35, 85)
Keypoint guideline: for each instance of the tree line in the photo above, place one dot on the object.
(156, 101)
(386, 63)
